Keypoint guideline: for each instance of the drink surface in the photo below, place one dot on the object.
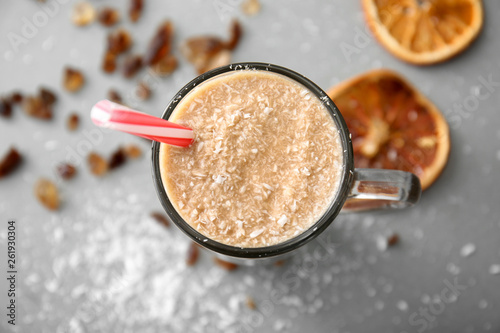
(266, 162)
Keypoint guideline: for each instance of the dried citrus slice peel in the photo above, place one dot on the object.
(424, 32)
(393, 126)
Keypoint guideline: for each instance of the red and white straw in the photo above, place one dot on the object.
(118, 117)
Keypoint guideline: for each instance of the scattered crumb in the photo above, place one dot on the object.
(109, 62)
(5, 108)
(98, 165)
(161, 218)
(48, 195)
(494, 269)
(48, 97)
(384, 242)
(66, 171)
(392, 240)
(467, 250)
(135, 10)
(131, 65)
(453, 269)
(40, 106)
(83, 13)
(34, 107)
(192, 254)
(220, 59)
(132, 151)
(225, 264)
(142, 91)
(166, 66)
(114, 96)
(16, 97)
(73, 122)
(208, 52)
(402, 305)
(11, 161)
(279, 263)
(119, 42)
(108, 16)
(160, 45)
(235, 32)
(250, 303)
(73, 79)
(251, 7)
(118, 158)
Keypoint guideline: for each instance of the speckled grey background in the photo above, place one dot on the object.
(101, 264)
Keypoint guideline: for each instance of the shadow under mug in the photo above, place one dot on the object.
(360, 189)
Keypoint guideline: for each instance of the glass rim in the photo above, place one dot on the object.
(293, 243)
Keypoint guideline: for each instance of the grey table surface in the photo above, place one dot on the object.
(101, 264)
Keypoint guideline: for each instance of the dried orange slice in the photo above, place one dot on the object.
(424, 32)
(392, 125)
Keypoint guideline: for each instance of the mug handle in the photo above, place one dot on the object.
(380, 188)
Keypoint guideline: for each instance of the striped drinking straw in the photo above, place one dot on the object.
(118, 117)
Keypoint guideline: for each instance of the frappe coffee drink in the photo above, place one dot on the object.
(266, 163)
(270, 167)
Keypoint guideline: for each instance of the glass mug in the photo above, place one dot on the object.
(360, 189)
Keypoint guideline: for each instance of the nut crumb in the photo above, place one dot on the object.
(119, 41)
(279, 263)
(250, 303)
(34, 107)
(160, 45)
(73, 79)
(131, 65)
(192, 254)
(384, 242)
(108, 16)
(40, 106)
(109, 62)
(83, 14)
(73, 121)
(48, 97)
(66, 171)
(166, 65)
(118, 158)
(393, 240)
(98, 165)
(5, 108)
(208, 52)
(16, 97)
(114, 96)
(48, 195)
(135, 10)
(250, 7)
(10, 162)
(142, 91)
(235, 32)
(229, 266)
(161, 218)
(132, 151)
